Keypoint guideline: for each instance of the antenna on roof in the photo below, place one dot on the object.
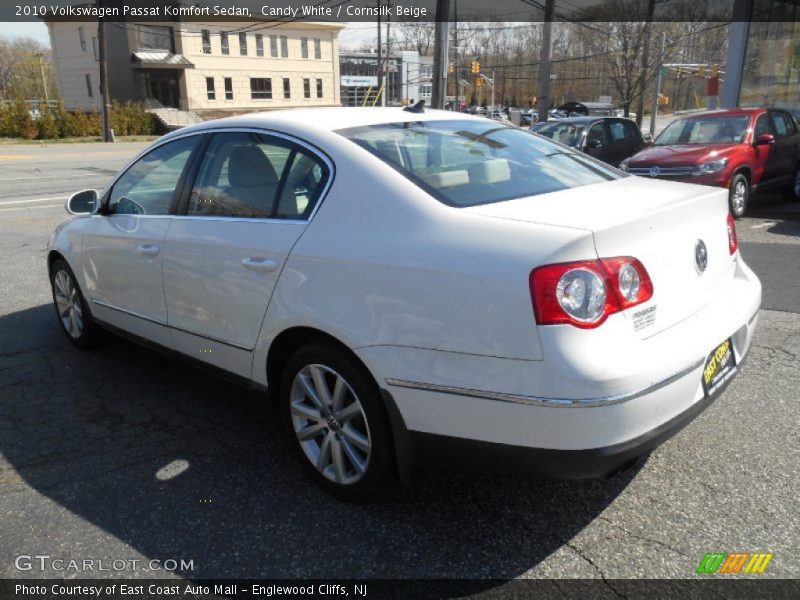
(418, 107)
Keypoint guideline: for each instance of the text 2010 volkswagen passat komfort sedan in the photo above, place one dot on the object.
(418, 287)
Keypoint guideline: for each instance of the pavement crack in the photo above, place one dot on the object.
(643, 538)
(585, 557)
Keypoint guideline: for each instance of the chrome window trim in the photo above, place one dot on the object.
(313, 150)
(543, 401)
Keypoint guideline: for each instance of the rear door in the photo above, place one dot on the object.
(251, 199)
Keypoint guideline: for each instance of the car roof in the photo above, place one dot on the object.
(725, 112)
(584, 120)
(326, 118)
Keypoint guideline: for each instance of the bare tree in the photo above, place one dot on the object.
(20, 75)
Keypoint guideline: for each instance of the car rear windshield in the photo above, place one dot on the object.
(471, 162)
(705, 130)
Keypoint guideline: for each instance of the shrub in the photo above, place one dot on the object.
(46, 124)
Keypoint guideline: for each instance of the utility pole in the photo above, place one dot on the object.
(440, 47)
(544, 61)
(651, 8)
(657, 91)
(101, 42)
(44, 79)
(380, 66)
(388, 46)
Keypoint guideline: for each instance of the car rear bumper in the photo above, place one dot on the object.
(446, 452)
(457, 411)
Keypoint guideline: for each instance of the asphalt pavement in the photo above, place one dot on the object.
(121, 453)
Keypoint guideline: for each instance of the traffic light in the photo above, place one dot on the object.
(479, 82)
(533, 101)
(714, 70)
(450, 68)
(701, 71)
(475, 66)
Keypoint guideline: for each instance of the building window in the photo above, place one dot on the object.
(427, 90)
(89, 86)
(304, 47)
(210, 91)
(317, 49)
(319, 88)
(259, 44)
(228, 88)
(287, 88)
(261, 88)
(205, 34)
(273, 46)
(82, 35)
(223, 38)
(306, 88)
(96, 49)
(243, 44)
(284, 47)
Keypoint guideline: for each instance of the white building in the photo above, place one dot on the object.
(208, 68)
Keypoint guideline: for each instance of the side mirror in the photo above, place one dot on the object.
(764, 139)
(593, 144)
(648, 139)
(83, 203)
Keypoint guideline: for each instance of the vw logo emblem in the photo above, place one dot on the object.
(700, 256)
(655, 171)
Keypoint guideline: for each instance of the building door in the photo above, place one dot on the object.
(163, 87)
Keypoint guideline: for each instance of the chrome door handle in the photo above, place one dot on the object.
(148, 249)
(257, 263)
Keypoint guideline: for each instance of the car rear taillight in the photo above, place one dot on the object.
(584, 293)
(733, 240)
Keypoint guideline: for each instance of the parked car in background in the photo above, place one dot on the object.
(589, 109)
(417, 285)
(610, 139)
(741, 149)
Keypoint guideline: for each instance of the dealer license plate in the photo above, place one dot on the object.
(720, 367)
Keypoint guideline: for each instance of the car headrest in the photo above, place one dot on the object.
(248, 166)
(490, 171)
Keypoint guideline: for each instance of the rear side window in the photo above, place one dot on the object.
(471, 162)
(250, 175)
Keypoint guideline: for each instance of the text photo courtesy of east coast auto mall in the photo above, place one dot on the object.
(399, 299)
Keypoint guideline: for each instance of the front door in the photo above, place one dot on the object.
(249, 204)
(122, 245)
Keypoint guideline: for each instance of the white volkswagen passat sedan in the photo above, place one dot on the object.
(418, 287)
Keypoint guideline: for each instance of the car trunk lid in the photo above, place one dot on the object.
(660, 223)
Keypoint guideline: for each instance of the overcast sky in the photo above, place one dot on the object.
(354, 35)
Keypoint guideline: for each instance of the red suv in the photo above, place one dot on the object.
(740, 149)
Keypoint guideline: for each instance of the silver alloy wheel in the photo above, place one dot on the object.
(739, 196)
(68, 304)
(330, 424)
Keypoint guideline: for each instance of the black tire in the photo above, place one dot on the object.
(739, 195)
(378, 464)
(83, 336)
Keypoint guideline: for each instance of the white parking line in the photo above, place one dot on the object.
(33, 200)
(85, 175)
(763, 225)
